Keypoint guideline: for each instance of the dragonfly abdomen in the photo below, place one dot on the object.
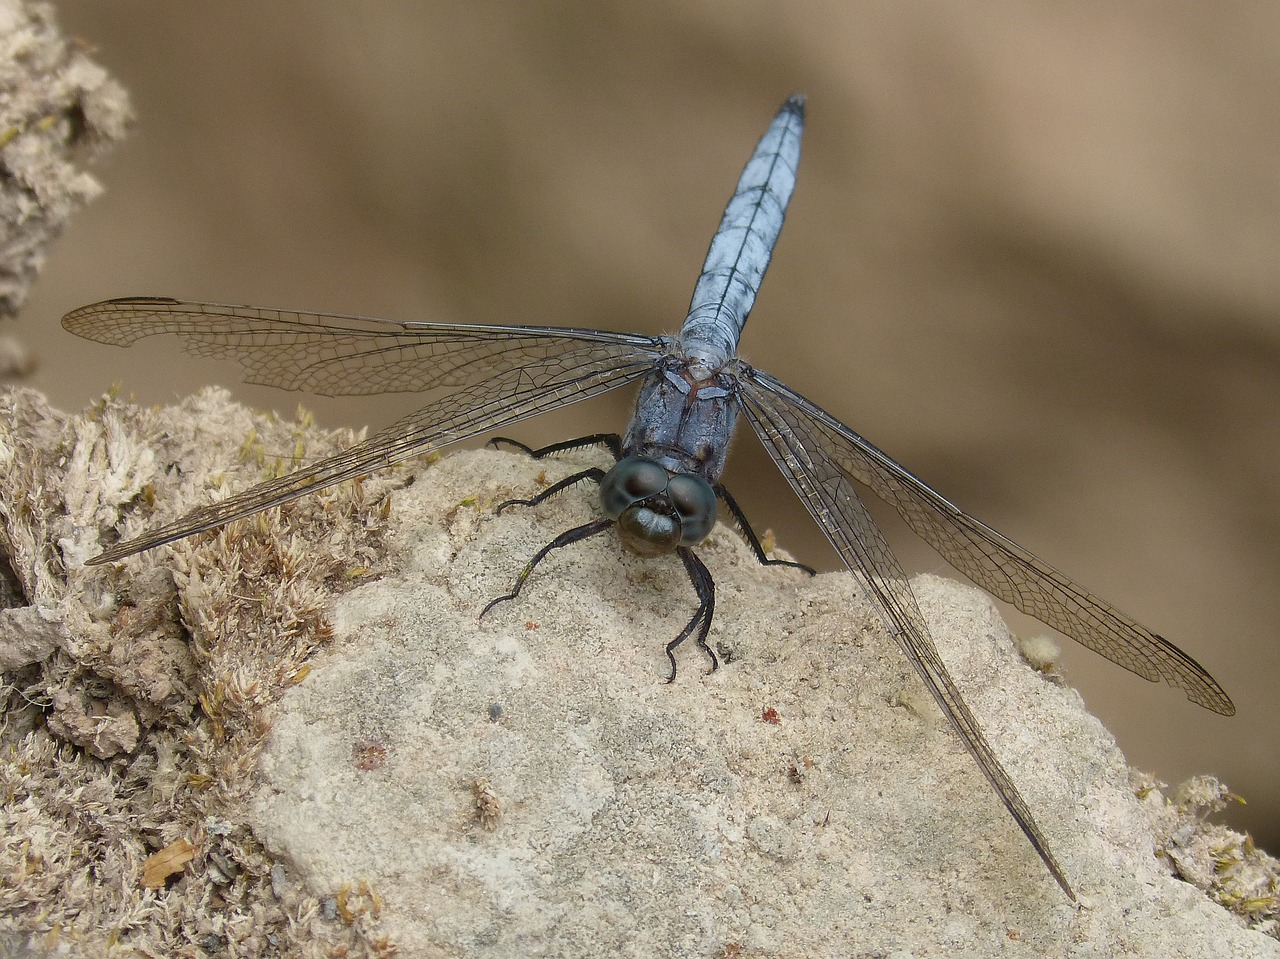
(743, 245)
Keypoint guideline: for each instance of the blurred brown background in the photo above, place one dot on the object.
(1034, 254)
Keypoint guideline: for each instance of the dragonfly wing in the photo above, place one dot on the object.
(803, 451)
(332, 354)
(999, 565)
(499, 375)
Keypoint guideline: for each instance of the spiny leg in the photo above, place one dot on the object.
(594, 473)
(705, 587)
(564, 539)
(750, 534)
(610, 441)
(567, 537)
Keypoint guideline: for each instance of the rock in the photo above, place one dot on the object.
(640, 818)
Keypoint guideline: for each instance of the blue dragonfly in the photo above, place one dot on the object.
(661, 495)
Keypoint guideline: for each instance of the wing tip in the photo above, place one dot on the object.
(1213, 699)
(102, 321)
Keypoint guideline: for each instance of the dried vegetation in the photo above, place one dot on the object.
(1225, 864)
(136, 696)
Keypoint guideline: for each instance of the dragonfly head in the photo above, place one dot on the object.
(657, 510)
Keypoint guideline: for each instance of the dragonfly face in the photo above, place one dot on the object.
(657, 510)
(661, 493)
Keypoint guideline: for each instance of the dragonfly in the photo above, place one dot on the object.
(661, 494)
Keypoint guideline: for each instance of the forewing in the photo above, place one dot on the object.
(330, 353)
(802, 448)
(996, 563)
(501, 375)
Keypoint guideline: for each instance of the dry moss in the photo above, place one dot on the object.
(1223, 863)
(136, 696)
(57, 109)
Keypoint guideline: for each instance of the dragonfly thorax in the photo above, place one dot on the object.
(683, 422)
(657, 510)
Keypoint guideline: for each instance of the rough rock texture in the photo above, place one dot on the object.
(532, 787)
(57, 108)
(527, 785)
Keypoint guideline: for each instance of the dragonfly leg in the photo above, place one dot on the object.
(566, 538)
(705, 587)
(595, 473)
(749, 534)
(610, 441)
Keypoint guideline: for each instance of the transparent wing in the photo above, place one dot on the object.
(501, 374)
(995, 563)
(333, 354)
(803, 450)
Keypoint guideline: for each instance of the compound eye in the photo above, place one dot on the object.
(695, 503)
(641, 477)
(632, 479)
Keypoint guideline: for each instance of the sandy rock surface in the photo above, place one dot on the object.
(529, 785)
